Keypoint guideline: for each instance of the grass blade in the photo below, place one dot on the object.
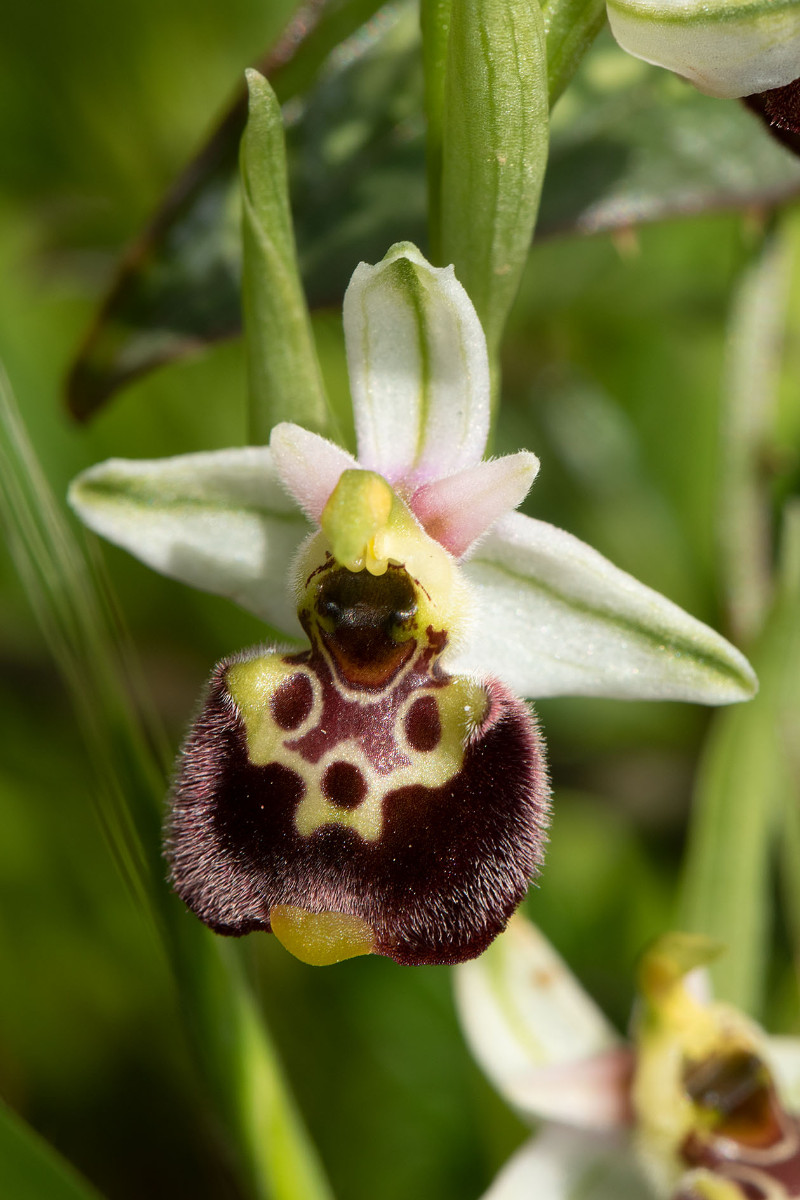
(30, 1169)
(235, 1058)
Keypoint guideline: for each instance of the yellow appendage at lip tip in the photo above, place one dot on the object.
(321, 939)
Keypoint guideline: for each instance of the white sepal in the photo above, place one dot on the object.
(570, 1164)
(419, 371)
(725, 47)
(541, 1040)
(218, 521)
(554, 617)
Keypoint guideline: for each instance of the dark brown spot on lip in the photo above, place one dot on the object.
(292, 702)
(344, 785)
(423, 726)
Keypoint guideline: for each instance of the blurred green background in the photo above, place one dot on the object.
(613, 367)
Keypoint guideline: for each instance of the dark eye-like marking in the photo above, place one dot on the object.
(344, 785)
(423, 725)
(367, 622)
(292, 702)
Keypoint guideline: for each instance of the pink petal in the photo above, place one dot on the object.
(460, 508)
(309, 466)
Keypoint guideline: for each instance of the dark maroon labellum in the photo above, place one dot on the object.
(779, 109)
(359, 778)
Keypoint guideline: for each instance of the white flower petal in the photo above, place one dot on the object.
(570, 1164)
(459, 509)
(543, 1043)
(219, 521)
(783, 1056)
(556, 618)
(308, 465)
(419, 372)
(725, 47)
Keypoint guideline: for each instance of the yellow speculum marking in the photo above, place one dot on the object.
(461, 707)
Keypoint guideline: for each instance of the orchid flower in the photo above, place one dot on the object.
(700, 1105)
(375, 784)
(725, 47)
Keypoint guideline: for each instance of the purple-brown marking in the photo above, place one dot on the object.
(292, 702)
(450, 866)
(344, 785)
(422, 726)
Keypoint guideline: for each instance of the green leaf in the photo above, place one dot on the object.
(495, 138)
(631, 145)
(30, 1169)
(75, 622)
(179, 283)
(283, 371)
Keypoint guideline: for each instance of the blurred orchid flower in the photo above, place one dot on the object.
(725, 47)
(701, 1105)
(383, 789)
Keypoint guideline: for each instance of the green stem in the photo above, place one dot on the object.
(494, 150)
(789, 727)
(740, 804)
(746, 794)
(756, 337)
(435, 25)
